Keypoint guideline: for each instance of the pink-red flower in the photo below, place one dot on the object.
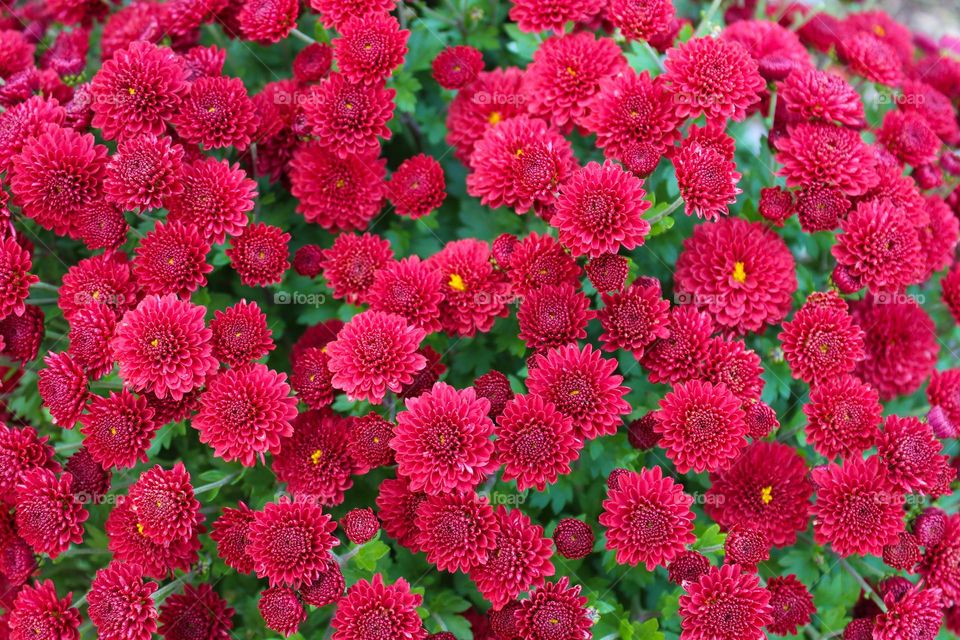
(48, 516)
(348, 117)
(198, 612)
(314, 460)
(457, 66)
(816, 153)
(260, 254)
(118, 429)
(555, 611)
(535, 442)
(144, 172)
(351, 264)
(172, 259)
(240, 334)
(120, 603)
(290, 542)
(541, 15)
(417, 187)
(458, 531)
(216, 197)
(373, 609)
(38, 614)
(370, 47)
(707, 180)
(15, 277)
(725, 604)
(553, 316)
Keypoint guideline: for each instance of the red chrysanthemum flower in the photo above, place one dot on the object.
(713, 76)
(495, 387)
(23, 121)
(351, 264)
(907, 136)
(260, 254)
(943, 392)
(950, 291)
(172, 258)
(18, 52)
(940, 237)
(38, 614)
(912, 454)
(281, 610)
(608, 272)
(858, 509)
(120, 603)
(519, 562)
(901, 343)
(915, 614)
(725, 604)
(707, 180)
(767, 489)
(940, 565)
(308, 260)
(776, 205)
(457, 66)
(198, 612)
(245, 413)
(821, 207)
(311, 378)
(144, 172)
(268, 21)
(872, 58)
(687, 567)
(231, 532)
(101, 226)
(313, 63)
(641, 432)
(334, 13)
(348, 118)
(15, 277)
(746, 547)
(573, 538)
(538, 261)
(827, 154)
(164, 504)
(57, 175)
(49, 517)
(879, 247)
(398, 507)
(409, 288)
(634, 319)
(360, 525)
(163, 347)
(555, 611)
(493, 97)
(368, 442)
(216, 113)
(417, 187)
(643, 20)
(126, 541)
(326, 589)
(600, 210)
(821, 342)
(118, 429)
(843, 417)
(791, 605)
(240, 334)
(741, 273)
(90, 480)
(314, 461)
(532, 16)
(929, 526)
(62, 386)
(372, 610)
(21, 450)
(370, 47)
(535, 442)
(553, 316)
(473, 294)
(520, 163)
(566, 73)
(216, 197)
(730, 363)
(583, 386)
(104, 279)
(374, 353)
(290, 542)
(647, 518)
(457, 530)
(904, 555)
(935, 108)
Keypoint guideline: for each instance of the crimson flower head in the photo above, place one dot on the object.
(532, 16)
(118, 429)
(553, 316)
(15, 277)
(144, 172)
(646, 20)
(707, 180)
(62, 386)
(398, 506)
(282, 610)
(334, 13)
(791, 605)
(348, 117)
(608, 272)
(352, 263)
(912, 454)
(908, 136)
(725, 604)
(164, 503)
(290, 542)
(573, 538)
(535, 442)
(22, 449)
(457, 530)
(268, 21)
(198, 612)
(634, 318)
(127, 542)
(370, 47)
(475, 111)
(216, 197)
(647, 518)
(105, 279)
(822, 341)
(410, 288)
(360, 525)
(39, 614)
(216, 113)
(417, 187)
(172, 258)
(821, 96)
(872, 58)
(49, 517)
(120, 603)
(915, 614)
(843, 416)
(815, 153)
(164, 347)
(456, 67)
(315, 461)
(260, 254)
(231, 532)
(555, 611)
(245, 412)
(373, 610)
(240, 334)
(702, 426)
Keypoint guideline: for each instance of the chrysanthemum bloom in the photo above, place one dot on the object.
(791, 605)
(198, 612)
(334, 13)
(164, 503)
(360, 525)
(707, 180)
(702, 426)
(943, 392)
(245, 412)
(904, 555)
(519, 562)
(634, 319)
(368, 442)
(144, 172)
(553, 316)
(746, 547)
(827, 154)
(22, 335)
(520, 163)
(374, 353)
(118, 429)
(120, 603)
(62, 386)
(260, 254)
(641, 433)
(732, 364)
(502, 623)
(338, 194)
(21, 450)
(643, 20)
(372, 609)
(821, 342)
(18, 52)
(493, 97)
(821, 207)
(240, 334)
(457, 66)
(565, 75)
(907, 136)
(712, 76)
(127, 542)
(901, 345)
(725, 604)
(872, 58)
(940, 237)
(915, 614)
(409, 288)
(290, 542)
(457, 530)
(821, 96)
(573, 538)
(58, 174)
(48, 516)
(101, 226)
(936, 109)
(940, 565)
(348, 118)
(647, 518)
(843, 417)
(879, 247)
(370, 47)
(172, 258)
(311, 378)
(281, 610)
(90, 480)
(163, 347)
(776, 205)
(268, 21)
(137, 90)
(473, 294)
(417, 187)
(858, 508)
(495, 387)
(555, 611)
(26, 120)
(535, 442)
(600, 210)
(217, 112)
(15, 277)
(929, 526)
(231, 532)
(327, 589)
(583, 386)
(739, 272)
(766, 489)
(687, 567)
(314, 461)
(397, 508)
(313, 62)
(308, 260)
(912, 454)
(216, 197)
(608, 272)
(38, 614)
(350, 265)
(532, 16)
(104, 279)
(537, 261)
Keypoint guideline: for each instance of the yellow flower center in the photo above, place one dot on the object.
(155, 342)
(457, 283)
(766, 494)
(315, 456)
(494, 117)
(139, 528)
(738, 273)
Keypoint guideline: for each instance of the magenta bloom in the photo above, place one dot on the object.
(120, 603)
(725, 604)
(290, 542)
(375, 609)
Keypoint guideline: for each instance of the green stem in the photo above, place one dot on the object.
(663, 214)
(46, 286)
(707, 20)
(863, 583)
(655, 55)
(300, 35)
(215, 485)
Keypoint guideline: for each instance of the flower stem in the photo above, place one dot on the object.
(345, 558)
(663, 214)
(300, 35)
(46, 286)
(863, 583)
(215, 485)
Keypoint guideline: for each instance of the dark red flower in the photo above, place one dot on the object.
(687, 567)
(535, 442)
(216, 197)
(725, 604)
(120, 603)
(776, 204)
(822, 342)
(164, 504)
(493, 97)
(15, 277)
(62, 386)
(879, 247)
(417, 187)
(634, 319)
(314, 461)
(829, 155)
(231, 532)
(360, 525)
(532, 16)
(118, 429)
(398, 506)
(126, 541)
(409, 288)
(904, 555)
(702, 426)
(290, 542)
(912, 454)
(458, 531)
(352, 263)
(821, 96)
(348, 118)
(172, 258)
(326, 589)
(198, 612)
(282, 610)
(49, 517)
(555, 611)
(821, 207)
(90, 480)
(608, 272)
(746, 547)
(553, 316)
(679, 357)
(843, 417)
(38, 614)
(916, 614)
(268, 21)
(730, 363)
(143, 173)
(707, 180)
(260, 254)
(791, 605)
(457, 66)
(104, 279)
(370, 47)
(372, 610)
(240, 334)
(573, 538)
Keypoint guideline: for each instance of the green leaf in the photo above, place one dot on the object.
(370, 553)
